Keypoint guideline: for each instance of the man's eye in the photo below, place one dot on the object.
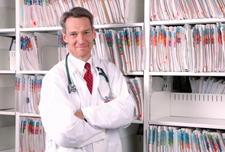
(72, 34)
(87, 32)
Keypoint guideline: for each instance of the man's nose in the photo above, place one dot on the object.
(80, 38)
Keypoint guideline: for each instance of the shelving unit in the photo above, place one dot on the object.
(50, 30)
(16, 32)
(162, 108)
(152, 114)
(7, 76)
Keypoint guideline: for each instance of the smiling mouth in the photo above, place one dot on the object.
(81, 47)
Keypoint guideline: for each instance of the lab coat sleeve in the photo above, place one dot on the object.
(57, 114)
(116, 113)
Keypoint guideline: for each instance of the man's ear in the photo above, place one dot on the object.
(94, 32)
(64, 37)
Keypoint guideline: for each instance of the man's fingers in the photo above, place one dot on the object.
(109, 100)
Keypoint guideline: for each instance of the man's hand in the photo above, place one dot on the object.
(109, 100)
(79, 114)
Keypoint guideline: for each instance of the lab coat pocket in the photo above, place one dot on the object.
(114, 147)
(99, 146)
(50, 146)
(75, 99)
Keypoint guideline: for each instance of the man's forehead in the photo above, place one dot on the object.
(78, 20)
(76, 31)
(78, 23)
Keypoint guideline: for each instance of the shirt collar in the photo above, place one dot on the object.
(79, 64)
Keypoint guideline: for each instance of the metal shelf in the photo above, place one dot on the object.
(40, 29)
(137, 121)
(8, 112)
(31, 72)
(190, 21)
(190, 122)
(29, 115)
(118, 25)
(141, 73)
(136, 73)
(58, 28)
(7, 30)
(186, 74)
(7, 72)
(8, 150)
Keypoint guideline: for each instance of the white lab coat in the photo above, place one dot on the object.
(68, 133)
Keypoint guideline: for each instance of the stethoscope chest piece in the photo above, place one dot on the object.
(72, 88)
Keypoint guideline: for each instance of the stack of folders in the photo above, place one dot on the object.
(63, 48)
(27, 93)
(34, 48)
(47, 13)
(136, 90)
(30, 57)
(186, 9)
(174, 139)
(207, 85)
(124, 48)
(200, 48)
(32, 135)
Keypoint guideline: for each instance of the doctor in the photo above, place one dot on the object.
(84, 116)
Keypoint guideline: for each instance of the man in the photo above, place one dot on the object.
(84, 120)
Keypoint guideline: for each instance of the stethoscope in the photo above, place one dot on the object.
(72, 87)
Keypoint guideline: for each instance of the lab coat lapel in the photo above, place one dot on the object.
(82, 89)
(80, 83)
(96, 100)
(94, 97)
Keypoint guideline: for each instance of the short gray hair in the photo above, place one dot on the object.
(76, 12)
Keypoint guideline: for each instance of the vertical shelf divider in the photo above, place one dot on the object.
(146, 74)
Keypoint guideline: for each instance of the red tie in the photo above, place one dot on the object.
(88, 77)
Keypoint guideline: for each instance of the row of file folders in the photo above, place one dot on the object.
(47, 13)
(207, 85)
(27, 93)
(174, 139)
(125, 48)
(136, 90)
(28, 89)
(32, 135)
(198, 48)
(186, 9)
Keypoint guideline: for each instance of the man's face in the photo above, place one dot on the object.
(79, 37)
